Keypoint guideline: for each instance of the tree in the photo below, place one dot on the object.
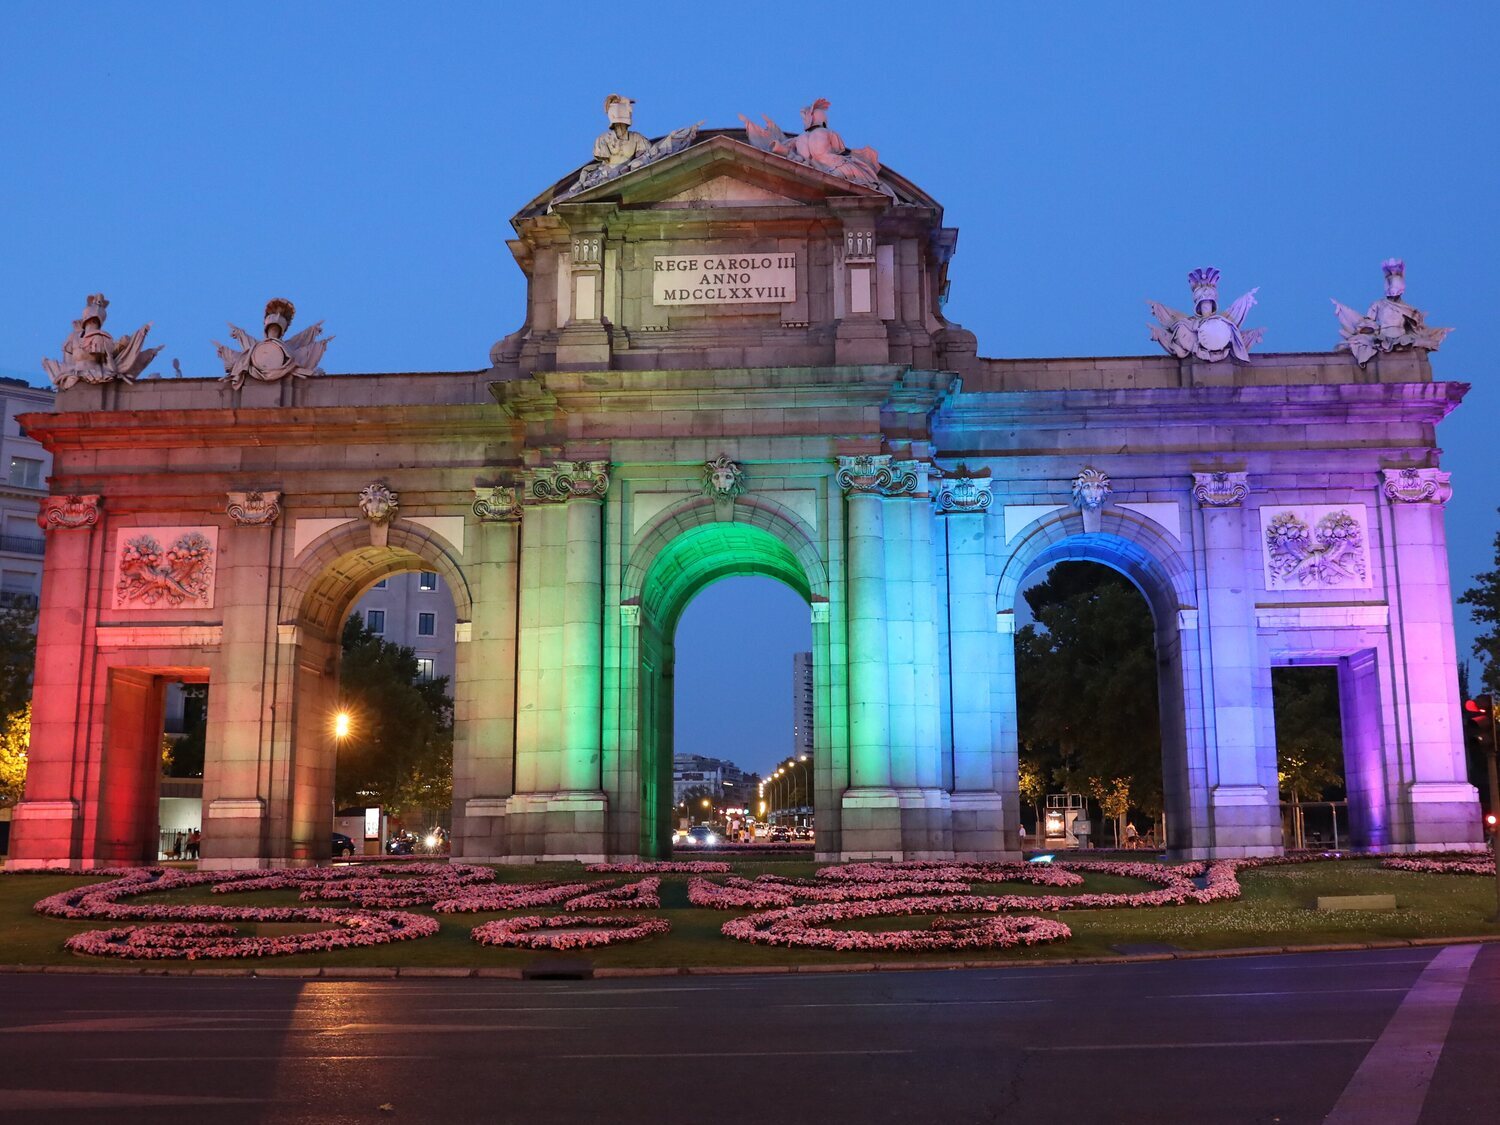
(182, 756)
(1483, 600)
(17, 657)
(1033, 787)
(1114, 800)
(399, 750)
(1087, 681)
(15, 741)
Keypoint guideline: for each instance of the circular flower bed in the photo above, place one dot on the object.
(638, 896)
(808, 927)
(563, 931)
(1472, 865)
(510, 896)
(664, 867)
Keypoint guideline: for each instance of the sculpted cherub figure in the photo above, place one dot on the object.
(92, 355)
(273, 358)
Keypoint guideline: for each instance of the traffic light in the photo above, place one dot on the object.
(1481, 712)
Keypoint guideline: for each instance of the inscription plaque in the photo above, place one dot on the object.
(724, 279)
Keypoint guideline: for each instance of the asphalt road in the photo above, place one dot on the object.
(1388, 1037)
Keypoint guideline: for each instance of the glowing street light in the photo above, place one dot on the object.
(341, 724)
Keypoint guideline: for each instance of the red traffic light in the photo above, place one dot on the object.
(1478, 710)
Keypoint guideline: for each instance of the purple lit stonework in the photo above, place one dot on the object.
(809, 415)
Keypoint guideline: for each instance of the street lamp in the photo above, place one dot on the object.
(341, 725)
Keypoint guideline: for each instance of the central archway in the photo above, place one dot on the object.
(680, 555)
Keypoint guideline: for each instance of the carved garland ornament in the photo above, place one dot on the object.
(1329, 553)
(964, 492)
(877, 474)
(1416, 486)
(723, 478)
(63, 513)
(567, 480)
(254, 509)
(498, 502)
(150, 575)
(1221, 489)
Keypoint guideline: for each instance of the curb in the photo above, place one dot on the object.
(429, 972)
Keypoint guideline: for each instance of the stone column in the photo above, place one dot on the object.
(1442, 808)
(978, 804)
(558, 809)
(484, 751)
(1243, 809)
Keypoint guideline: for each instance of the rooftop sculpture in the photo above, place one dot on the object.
(1207, 333)
(272, 358)
(620, 149)
(92, 355)
(818, 147)
(1390, 325)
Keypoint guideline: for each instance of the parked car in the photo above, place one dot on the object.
(342, 845)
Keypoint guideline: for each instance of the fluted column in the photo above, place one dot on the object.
(582, 645)
(869, 684)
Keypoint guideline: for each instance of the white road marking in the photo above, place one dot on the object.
(1391, 1084)
(106, 1100)
(1199, 1044)
(732, 1054)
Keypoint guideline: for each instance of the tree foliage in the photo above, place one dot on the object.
(1087, 682)
(17, 657)
(399, 750)
(15, 741)
(1309, 735)
(1483, 600)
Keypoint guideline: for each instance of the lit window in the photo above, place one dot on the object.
(428, 580)
(426, 670)
(426, 624)
(375, 621)
(25, 472)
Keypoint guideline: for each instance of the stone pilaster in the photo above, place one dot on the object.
(1440, 807)
(485, 698)
(584, 341)
(1243, 812)
(49, 826)
(978, 803)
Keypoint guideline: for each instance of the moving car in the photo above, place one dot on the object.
(701, 835)
(342, 845)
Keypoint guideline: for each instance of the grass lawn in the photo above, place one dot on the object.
(1276, 909)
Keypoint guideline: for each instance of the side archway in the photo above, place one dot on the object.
(1151, 559)
(328, 578)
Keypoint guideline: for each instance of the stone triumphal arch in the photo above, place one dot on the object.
(734, 360)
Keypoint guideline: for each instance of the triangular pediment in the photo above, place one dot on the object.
(753, 176)
(727, 189)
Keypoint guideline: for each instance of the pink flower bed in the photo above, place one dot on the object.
(179, 930)
(937, 871)
(644, 895)
(1474, 866)
(502, 896)
(808, 927)
(567, 931)
(664, 867)
(375, 885)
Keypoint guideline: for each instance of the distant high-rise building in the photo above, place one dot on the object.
(802, 703)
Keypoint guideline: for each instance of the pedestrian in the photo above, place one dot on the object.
(177, 846)
(1132, 837)
(194, 842)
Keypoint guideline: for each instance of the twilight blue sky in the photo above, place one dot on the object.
(192, 160)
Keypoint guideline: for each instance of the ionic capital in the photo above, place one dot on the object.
(1416, 486)
(964, 491)
(1221, 489)
(498, 503)
(878, 474)
(565, 480)
(253, 509)
(66, 513)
